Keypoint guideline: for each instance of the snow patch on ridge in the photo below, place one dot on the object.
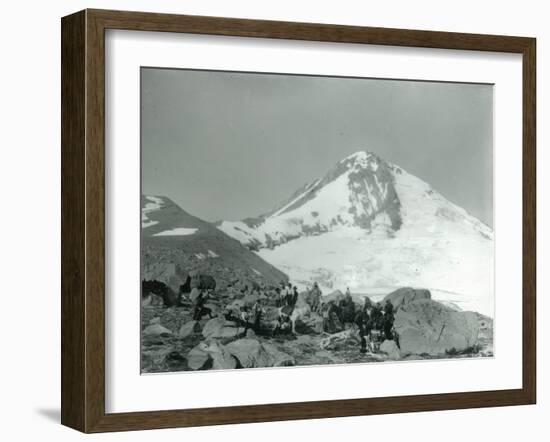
(178, 231)
(155, 204)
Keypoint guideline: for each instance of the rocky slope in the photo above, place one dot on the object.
(175, 243)
(173, 341)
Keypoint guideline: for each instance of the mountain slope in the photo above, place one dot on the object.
(175, 243)
(371, 226)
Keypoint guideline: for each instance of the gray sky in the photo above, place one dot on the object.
(230, 145)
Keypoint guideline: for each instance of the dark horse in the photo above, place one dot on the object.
(161, 289)
(202, 282)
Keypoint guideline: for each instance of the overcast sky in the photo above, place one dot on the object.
(231, 145)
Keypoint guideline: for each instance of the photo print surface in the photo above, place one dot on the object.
(294, 220)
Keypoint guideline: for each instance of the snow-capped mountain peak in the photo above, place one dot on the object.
(369, 225)
(359, 191)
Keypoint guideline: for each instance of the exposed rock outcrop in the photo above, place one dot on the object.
(406, 295)
(426, 327)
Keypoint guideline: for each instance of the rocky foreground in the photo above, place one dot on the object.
(172, 341)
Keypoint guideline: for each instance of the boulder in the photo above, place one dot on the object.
(390, 347)
(213, 326)
(310, 324)
(189, 328)
(175, 361)
(156, 330)
(249, 352)
(335, 296)
(221, 357)
(155, 356)
(220, 328)
(428, 327)
(406, 295)
(278, 358)
(198, 358)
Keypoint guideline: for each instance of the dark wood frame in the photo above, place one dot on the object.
(83, 216)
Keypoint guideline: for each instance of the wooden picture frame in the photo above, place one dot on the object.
(83, 220)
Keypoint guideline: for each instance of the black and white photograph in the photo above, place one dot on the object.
(298, 220)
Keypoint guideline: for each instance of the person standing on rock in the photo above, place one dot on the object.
(283, 295)
(245, 316)
(348, 308)
(388, 320)
(315, 297)
(376, 316)
(294, 296)
(289, 295)
(257, 315)
(199, 305)
(367, 306)
(363, 321)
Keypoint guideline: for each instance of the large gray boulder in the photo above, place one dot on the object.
(222, 359)
(428, 327)
(221, 329)
(198, 358)
(310, 324)
(278, 358)
(390, 348)
(406, 295)
(251, 353)
(189, 328)
(156, 329)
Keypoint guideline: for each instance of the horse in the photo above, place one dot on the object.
(202, 282)
(158, 288)
(294, 312)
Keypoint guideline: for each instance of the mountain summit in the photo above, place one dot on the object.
(371, 226)
(362, 191)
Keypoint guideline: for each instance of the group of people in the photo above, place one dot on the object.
(286, 295)
(375, 323)
(374, 320)
(248, 317)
